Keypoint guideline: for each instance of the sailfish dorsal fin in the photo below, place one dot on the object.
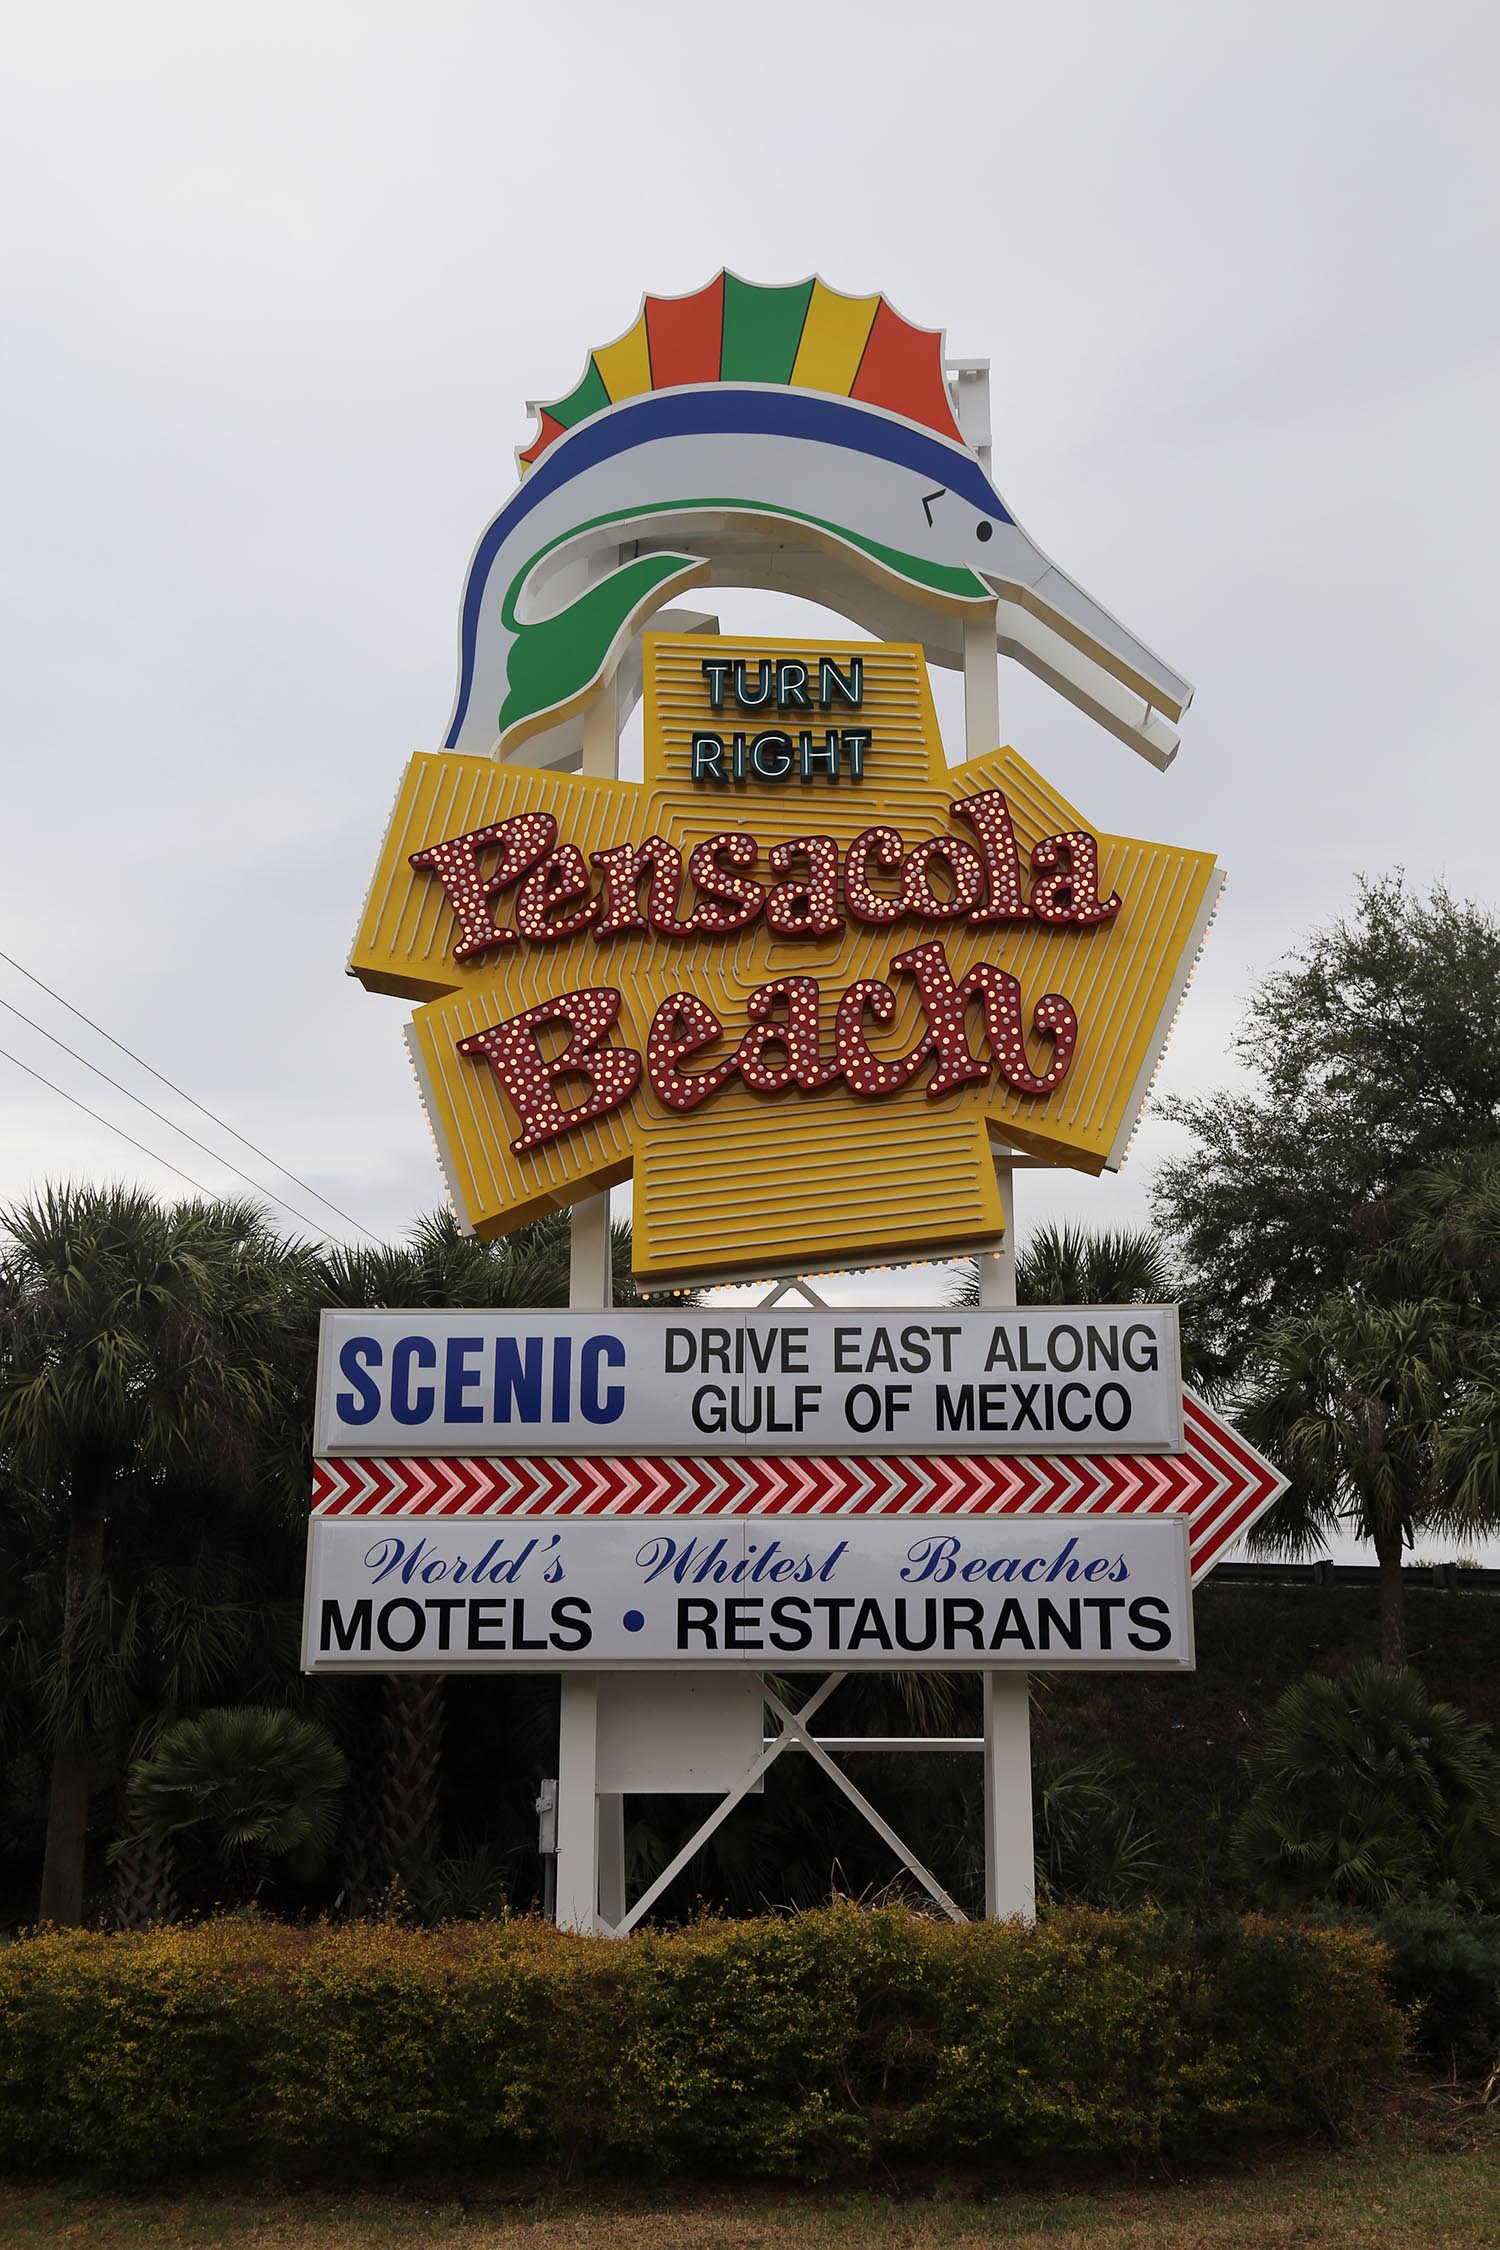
(805, 335)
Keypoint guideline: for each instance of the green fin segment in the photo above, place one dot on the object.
(552, 662)
(762, 329)
(590, 398)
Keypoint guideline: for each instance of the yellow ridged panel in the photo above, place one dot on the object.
(626, 364)
(748, 1181)
(833, 340)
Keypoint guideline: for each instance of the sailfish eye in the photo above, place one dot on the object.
(984, 531)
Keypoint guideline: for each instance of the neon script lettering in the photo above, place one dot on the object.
(783, 1047)
(553, 893)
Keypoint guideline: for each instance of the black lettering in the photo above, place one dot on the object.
(869, 1625)
(1119, 1405)
(955, 1406)
(1011, 1625)
(1064, 1329)
(1150, 1620)
(570, 1623)
(833, 1607)
(346, 1633)
(904, 1637)
(963, 1617)
(1053, 1627)
(385, 1625)
(444, 1612)
(487, 1624)
(790, 1628)
(1140, 1349)
(1073, 1390)
(1106, 1605)
(518, 1638)
(697, 1617)
(741, 1624)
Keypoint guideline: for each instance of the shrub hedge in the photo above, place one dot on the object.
(793, 2047)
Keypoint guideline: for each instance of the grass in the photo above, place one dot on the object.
(1430, 2180)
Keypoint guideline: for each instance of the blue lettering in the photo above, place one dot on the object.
(362, 1404)
(518, 1385)
(459, 1378)
(409, 1405)
(562, 1373)
(606, 1351)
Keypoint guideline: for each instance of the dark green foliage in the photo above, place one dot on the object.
(258, 1785)
(1067, 1265)
(147, 1353)
(1367, 1067)
(841, 2040)
(1354, 1398)
(1371, 1792)
(1092, 1843)
(1445, 1964)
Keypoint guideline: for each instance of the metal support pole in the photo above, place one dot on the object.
(1009, 1848)
(590, 1828)
(981, 684)
(577, 1820)
(611, 1851)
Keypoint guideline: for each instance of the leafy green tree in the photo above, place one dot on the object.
(1370, 1053)
(141, 1346)
(258, 1786)
(1369, 1792)
(1382, 1399)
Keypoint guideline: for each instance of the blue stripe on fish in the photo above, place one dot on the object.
(719, 408)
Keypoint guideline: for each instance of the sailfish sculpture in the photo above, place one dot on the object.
(726, 428)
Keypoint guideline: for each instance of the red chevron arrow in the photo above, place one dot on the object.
(1220, 1484)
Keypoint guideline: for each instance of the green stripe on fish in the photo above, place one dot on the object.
(553, 661)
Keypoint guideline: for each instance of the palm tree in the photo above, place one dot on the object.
(138, 1343)
(1371, 1791)
(258, 1784)
(1352, 1398)
(1069, 1265)
(437, 1266)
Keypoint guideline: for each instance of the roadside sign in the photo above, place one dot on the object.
(598, 1593)
(1036, 1379)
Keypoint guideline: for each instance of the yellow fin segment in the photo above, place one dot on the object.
(833, 340)
(626, 364)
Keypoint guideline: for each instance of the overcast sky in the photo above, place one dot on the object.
(277, 282)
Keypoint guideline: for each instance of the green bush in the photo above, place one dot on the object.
(1370, 1791)
(792, 2047)
(1445, 1964)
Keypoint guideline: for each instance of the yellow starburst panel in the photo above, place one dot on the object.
(803, 973)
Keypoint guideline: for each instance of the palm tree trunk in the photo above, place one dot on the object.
(412, 1760)
(68, 1798)
(145, 1884)
(1388, 1548)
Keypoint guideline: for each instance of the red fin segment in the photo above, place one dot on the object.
(686, 334)
(902, 370)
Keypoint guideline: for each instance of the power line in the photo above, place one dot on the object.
(162, 1119)
(109, 1122)
(162, 1079)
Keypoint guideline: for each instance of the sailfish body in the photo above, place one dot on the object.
(638, 495)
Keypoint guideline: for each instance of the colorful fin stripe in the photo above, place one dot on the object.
(806, 336)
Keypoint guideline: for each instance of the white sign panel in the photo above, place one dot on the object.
(785, 1594)
(1032, 1379)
